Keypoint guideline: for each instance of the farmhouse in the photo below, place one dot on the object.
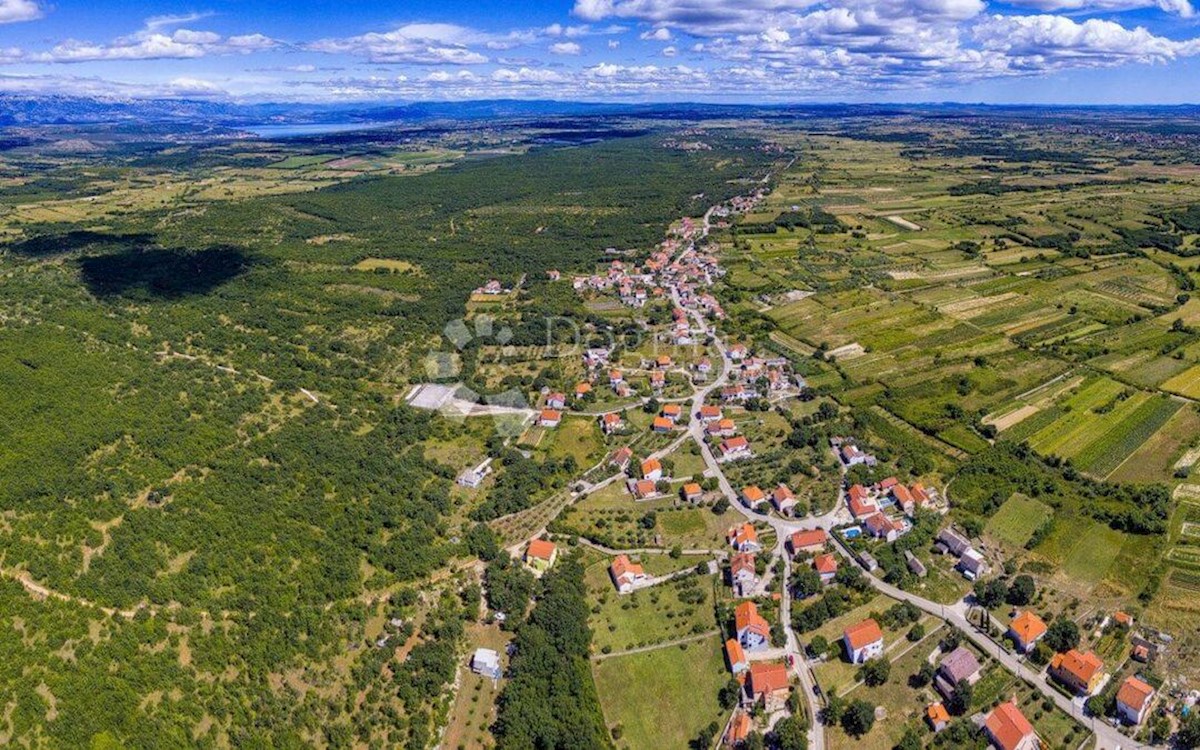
(721, 428)
(753, 496)
(582, 389)
(1079, 672)
(959, 667)
(937, 716)
(914, 564)
(807, 541)
(744, 538)
(643, 488)
(863, 641)
(662, 425)
(1133, 700)
(753, 631)
(784, 500)
(768, 685)
(826, 566)
(672, 412)
(620, 458)
(626, 575)
(610, 423)
(652, 469)
(742, 576)
(953, 542)
(691, 492)
(541, 555)
(486, 662)
(971, 564)
(472, 478)
(735, 448)
(1008, 729)
(549, 418)
(1026, 629)
(852, 456)
(709, 414)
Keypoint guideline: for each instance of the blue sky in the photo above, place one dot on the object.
(1045, 51)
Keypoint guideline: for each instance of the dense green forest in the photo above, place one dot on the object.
(159, 457)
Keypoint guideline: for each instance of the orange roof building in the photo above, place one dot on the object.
(739, 729)
(644, 488)
(863, 641)
(1026, 629)
(744, 537)
(625, 573)
(753, 495)
(652, 468)
(540, 555)
(937, 716)
(826, 565)
(662, 424)
(746, 619)
(808, 540)
(1133, 700)
(1008, 729)
(1078, 671)
(768, 683)
(549, 418)
(692, 491)
(735, 655)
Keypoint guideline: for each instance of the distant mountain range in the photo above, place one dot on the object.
(18, 110)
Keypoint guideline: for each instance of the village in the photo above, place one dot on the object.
(979, 651)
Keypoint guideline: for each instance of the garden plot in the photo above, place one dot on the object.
(1186, 383)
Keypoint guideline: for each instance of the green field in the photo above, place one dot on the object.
(683, 698)
(1017, 520)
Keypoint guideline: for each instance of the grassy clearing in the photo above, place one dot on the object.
(1017, 520)
(662, 698)
(653, 615)
(375, 264)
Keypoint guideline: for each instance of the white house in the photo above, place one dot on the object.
(486, 662)
(863, 641)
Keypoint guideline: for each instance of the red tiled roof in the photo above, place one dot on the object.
(651, 465)
(808, 538)
(622, 566)
(739, 728)
(1008, 726)
(1134, 693)
(825, 564)
(862, 634)
(741, 561)
(742, 534)
(937, 714)
(768, 677)
(746, 616)
(541, 549)
(734, 443)
(734, 652)
(1082, 667)
(753, 493)
(1028, 626)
